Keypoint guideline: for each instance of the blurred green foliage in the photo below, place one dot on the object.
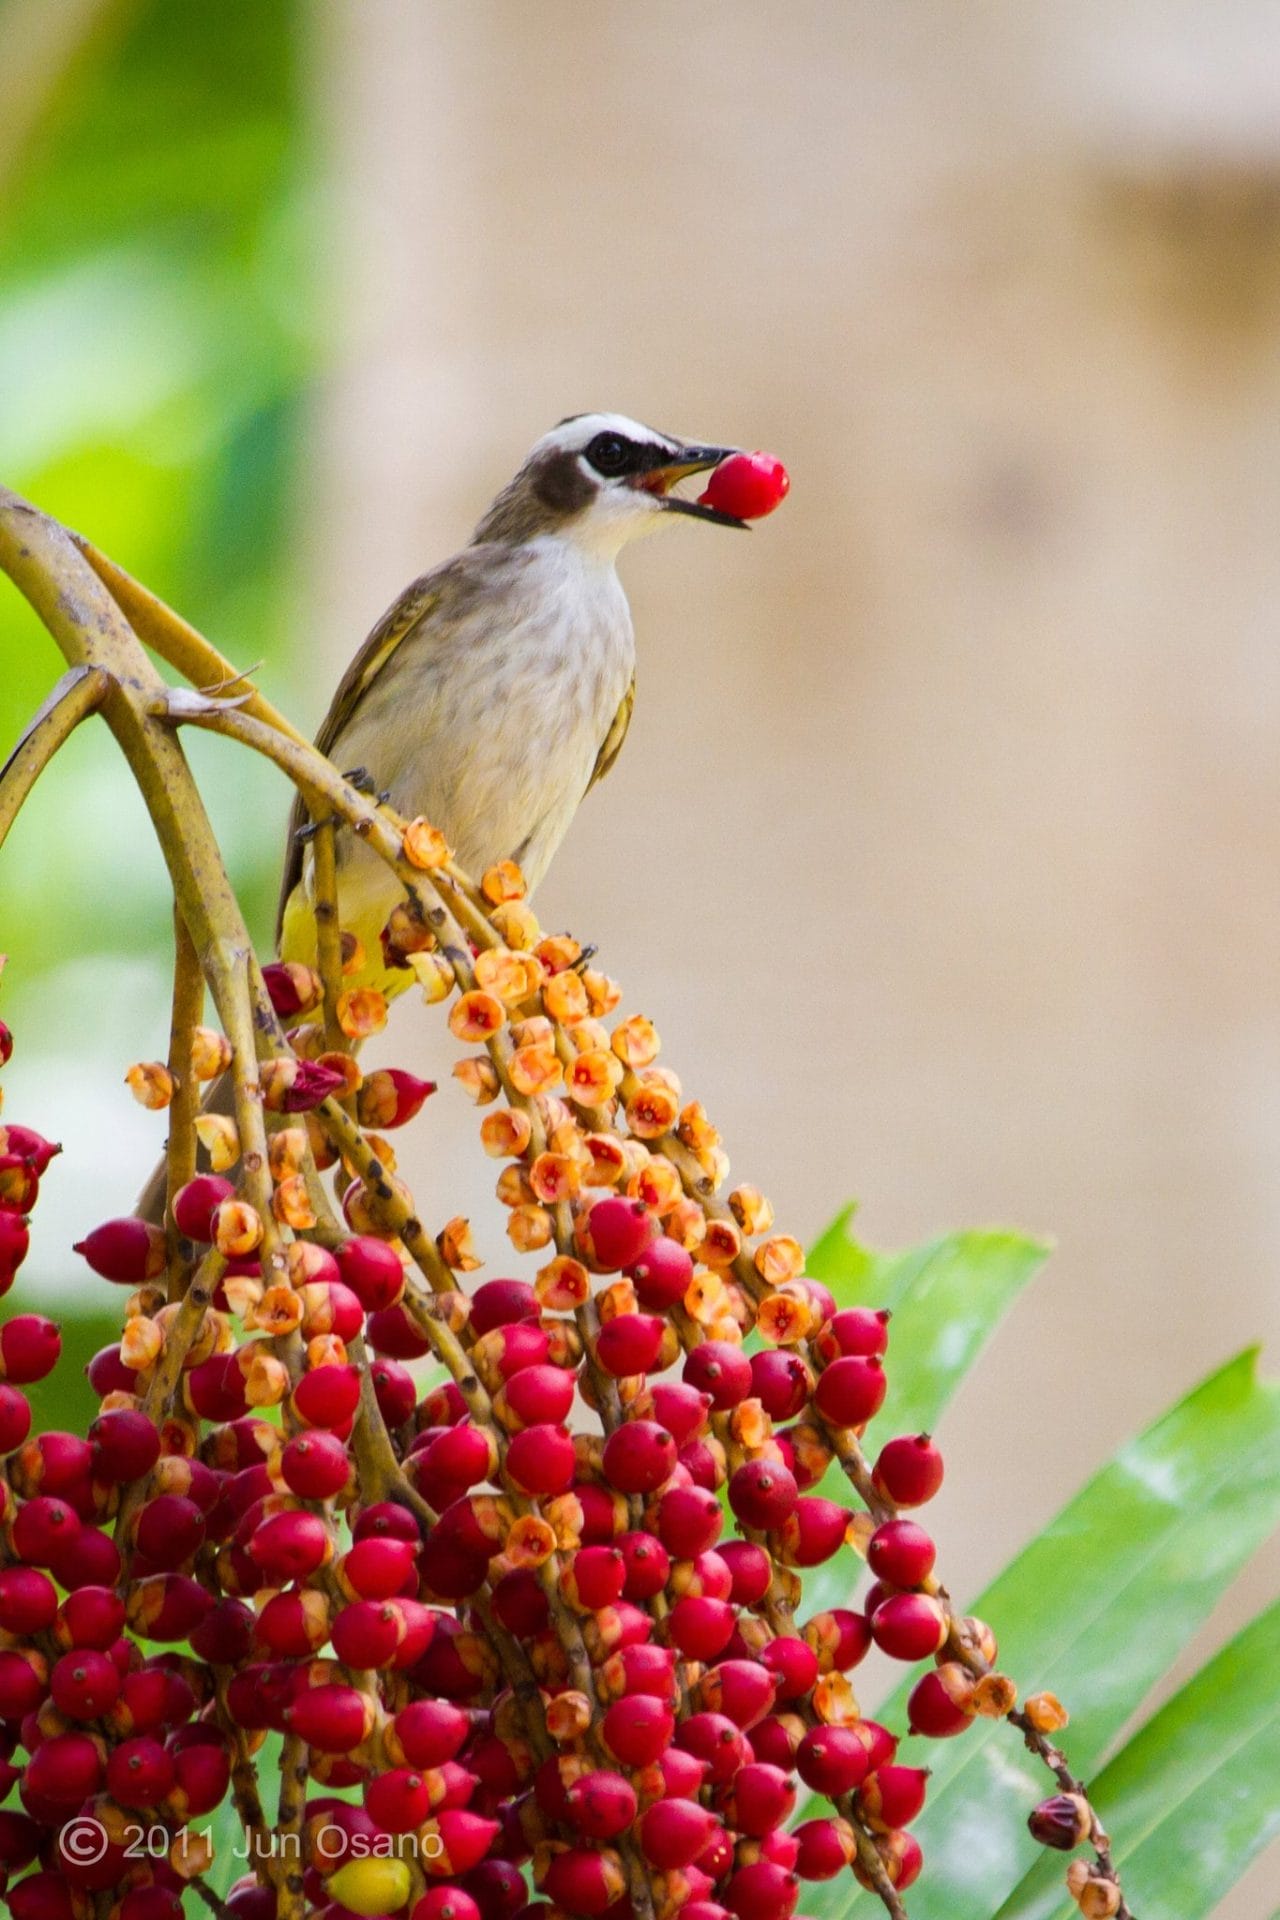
(157, 338)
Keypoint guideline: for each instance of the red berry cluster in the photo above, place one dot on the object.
(493, 1612)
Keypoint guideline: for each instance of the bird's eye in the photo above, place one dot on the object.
(609, 453)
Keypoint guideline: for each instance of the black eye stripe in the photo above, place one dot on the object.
(612, 455)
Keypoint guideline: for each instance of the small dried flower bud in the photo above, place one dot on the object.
(529, 1229)
(434, 975)
(554, 1177)
(517, 924)
(296, 1086)
(607, 1162)
(592, 1077)
(686, 1224)
(557, 951)
(140, 1343)
(351, 947)
(636, 1042)
(190, 1852)
(457, 1248)
(220, 1138)
(266, 1379)
(425, 847)
(347, 1067)
(994, 1696)
(1045, 1712)
(714, 1167)
(834, 1700)
(476, 1016)
(151, 1084)
(564, 998)
(531, 1541)
(778, 1259)
(242, 1293)
(651, 1110)
(751, 1210)
(568, 1716)
(287, 1152)
(535, 1068)
(603, 994)
(1062, 1821)
(293, 988)
(278, 1312)
(503, 882)
(704, 1298)
(512, 1186)
(977, 1637)
(362, 1011)
(657, 1184)
(510, 977)
(562, 1285)
(210, 1053)
(291, 1204)
(695, 1131)
(406, 932)
(751, 1426)
(237, 1229)
(478, 1078)
(784, 1318)
(1096, 1896)
(506, 1134)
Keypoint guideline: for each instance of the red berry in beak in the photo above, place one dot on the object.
(747, 485)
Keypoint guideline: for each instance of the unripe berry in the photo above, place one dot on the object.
(127, 1250)
(370, 1885)
(719, 1368)
(840, 1638)
(902, 1553)
(909, 1470)
(812, 1532)
(662, 1273)
(639, 1456)
(619, 1231)
(762, 1494)
(851, 1390)
(893, 1796)
(398, 1800)
(909, 1626)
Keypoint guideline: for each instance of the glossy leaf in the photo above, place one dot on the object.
(1193, 1797)
(1095, 1609)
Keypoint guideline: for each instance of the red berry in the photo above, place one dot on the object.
(939, 1704)
(600, 1805)
(761, 1798)
(700, 1627)
(583, 1883)
(637, 1729)
(673, 1833)
(429, 1732)
(538, 1395)
(127, 1250)
(500, 1303)
(86, 1558)
(662, 1273)
(747, 485)
(394, 1391)
(441, 1903)
(377, 1567)
(762, 1493)
(629, 1343)
(851, 1390)
(90, 1617)
(399, 1800)
(203, 1774)
(394, 1332)
(742, 1690)
(902, 1553)
(330, 1718)
(832, 1760)
(719, 1368)
(781, 1382)
(540, 1459)
(793, 1665)
(315, 1465)
(596, 1577)
(125, 1443)
(195, 1205)
(327, 1396)
(909, 1470)
(29, 1348)
(909, 1626)
(893, 1796)
(15, 1417)
(840, 1638)
(390, 1097)
(619, 1231)
(64, 1771)
(139, 1773)
(646, 1565)
(28, 1601)
(826, 1847)
(762, 1891)
(41, 1527)
(169, 1530)
(639, 1456)
(713, 1737)
(84, 1684)
(289, 1546)
(813, 1531)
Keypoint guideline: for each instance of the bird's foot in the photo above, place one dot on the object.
(585, 958)
(361, 779)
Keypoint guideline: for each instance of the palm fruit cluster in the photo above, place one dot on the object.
(495, 1587)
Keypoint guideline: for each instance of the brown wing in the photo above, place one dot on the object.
(611, 745)
(413, 606)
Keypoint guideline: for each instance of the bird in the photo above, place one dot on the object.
(497, 690)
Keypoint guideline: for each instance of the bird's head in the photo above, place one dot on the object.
(599, 480)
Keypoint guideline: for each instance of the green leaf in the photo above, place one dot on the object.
(1194, 1796)
(1095, 1610)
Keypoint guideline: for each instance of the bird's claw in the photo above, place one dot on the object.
(361, 779)
(585, 958)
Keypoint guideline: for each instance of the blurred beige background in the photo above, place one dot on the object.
(944, 846)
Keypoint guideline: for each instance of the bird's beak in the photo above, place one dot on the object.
(660, 480)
